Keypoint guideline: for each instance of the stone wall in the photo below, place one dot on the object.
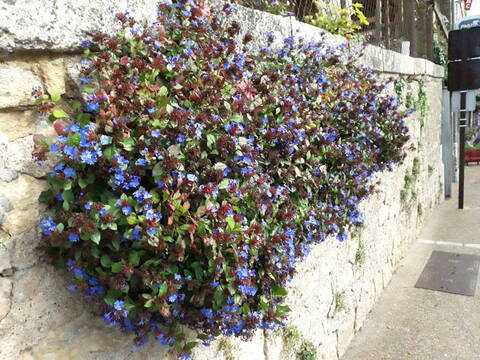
(334, 289)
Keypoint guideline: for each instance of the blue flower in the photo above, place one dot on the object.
(93, 106)
(192, 178)
(248, 290)
(70, 151)
(155, 133)
(69, 172)
(141, 162)
(72, 288)
(164, 340)
(181, 138)
(84, 80)
(48, 226)
(73, 237)
(59, 167)
(119, 305)
(105, 140)
(79, 272)
(126, 210)
(88, 157)
(208, 313)
(141, 195)
(152, 231)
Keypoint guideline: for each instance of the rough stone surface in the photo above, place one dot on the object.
(17, 80)
(59, 25)
(335, 287)
(5, 297)
(53, 73)
(23, 196)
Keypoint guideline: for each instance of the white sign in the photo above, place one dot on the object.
(471, 101)
(467, 22)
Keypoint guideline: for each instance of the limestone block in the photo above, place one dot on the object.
(5, 263)
(17, 80)
(26, 252)
(394, 62)
(18, 124)
(372, 57)
(258, 22)
(18, 157)
(59, 26)
(420, 66)
(54, 76)
(23, 196)
(5, 294)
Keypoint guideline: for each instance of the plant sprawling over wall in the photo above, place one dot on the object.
(195, 174)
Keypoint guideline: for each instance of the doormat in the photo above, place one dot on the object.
(450, 272)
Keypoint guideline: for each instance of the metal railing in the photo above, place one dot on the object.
(392, 23)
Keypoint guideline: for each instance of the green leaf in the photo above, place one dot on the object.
(230, 224)
(163, 91)
(45, 196)
(218, 296)
(236, 118)
(96, 237)
(88, 89)
(59, 113)
(75, 139)
(134, 257)
(55, 97)
(163, 289)
(169, 108)
(82, 183)
(105, 261)
(132, 220)
(158, 170)
(211, 139)
(128, 143)
(68, 196)
(60, 227)
(117, 267)
(190, 345)
(109, 152)
(224, 184)
(278, 290)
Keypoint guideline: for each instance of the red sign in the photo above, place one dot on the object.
(468, 4)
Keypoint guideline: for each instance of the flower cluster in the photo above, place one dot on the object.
(197, 173)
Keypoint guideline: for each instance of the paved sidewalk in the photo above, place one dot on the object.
(417, 324)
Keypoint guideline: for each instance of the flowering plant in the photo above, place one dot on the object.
(195, 174)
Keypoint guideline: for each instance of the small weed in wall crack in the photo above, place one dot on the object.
(421, 103)
(227, 348)
(420, 210)
(307, 352)
(295, 343)
(340, 304)
(398, 87)
(360, 255)
(408, 191)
